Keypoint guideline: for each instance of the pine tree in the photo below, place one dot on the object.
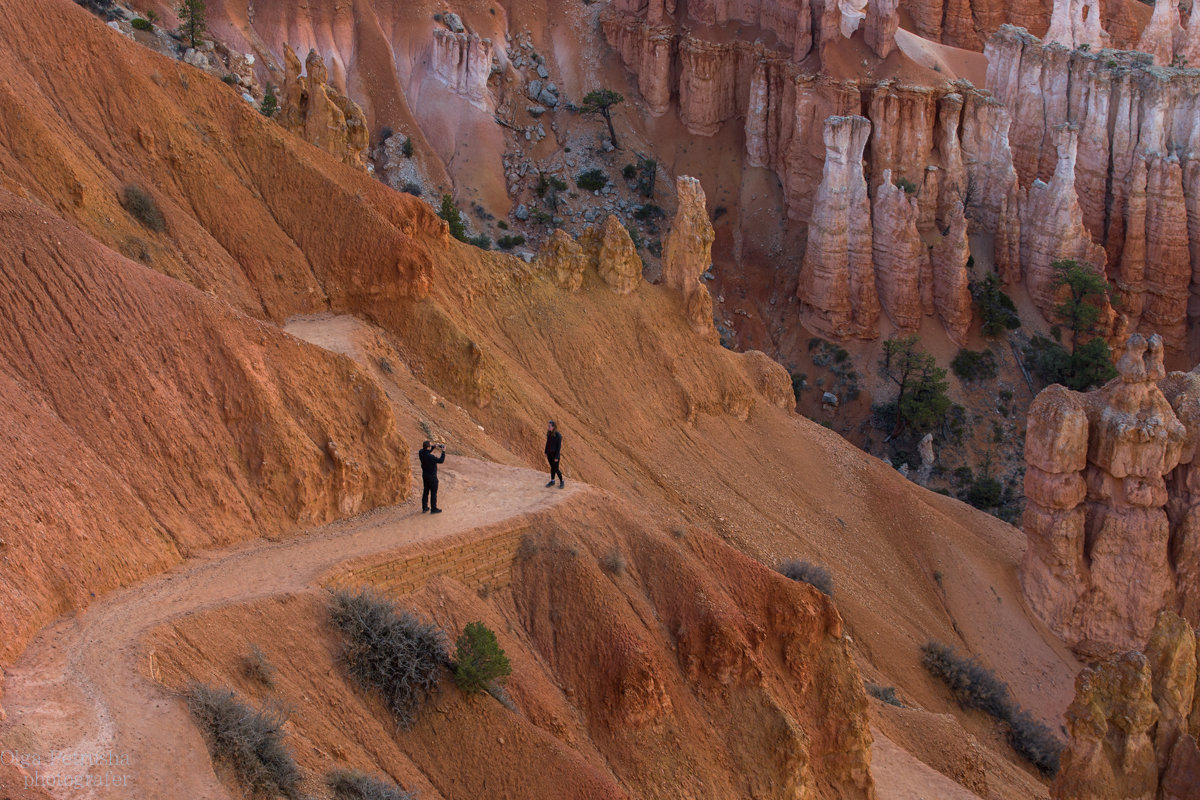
(191, 21)
(601, 102)
(270, 103)
(449, 212)
(479, 660)
(922, 403)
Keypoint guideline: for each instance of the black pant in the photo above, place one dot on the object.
(554, 470)
(429, 496)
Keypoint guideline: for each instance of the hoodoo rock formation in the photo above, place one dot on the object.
(610, 251)
(317, 112)
(463, 62)
(1134, 723)
(1112, 517)
(1052, 227)
(903, 276)
(1075, 23)
(837, 282)
(687, 254)
(1160, 35)
(1138, 134)
(563, 258)
(951, 278)
(1078, 152)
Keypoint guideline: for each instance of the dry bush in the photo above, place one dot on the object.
(389, 650)
(257, 667)
(814, 575)
(250, 741)
(346, 784)
(613, 562)
(975, 686)
(142, 207)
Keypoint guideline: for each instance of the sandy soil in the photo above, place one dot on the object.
(77, 689)
(899, 776)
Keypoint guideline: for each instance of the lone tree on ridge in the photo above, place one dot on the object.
(601, 102)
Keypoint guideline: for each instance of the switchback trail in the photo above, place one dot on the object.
(77, 689)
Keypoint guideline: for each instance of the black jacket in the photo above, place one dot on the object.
(429, 463)
(553, 444)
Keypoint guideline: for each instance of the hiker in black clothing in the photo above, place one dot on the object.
(429, 477)
(553, 450)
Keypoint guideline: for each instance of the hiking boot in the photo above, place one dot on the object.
(424, 510)
(551, 483)
(435, 511)
(561, 484)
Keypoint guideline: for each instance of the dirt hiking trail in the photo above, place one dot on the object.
(78, 689)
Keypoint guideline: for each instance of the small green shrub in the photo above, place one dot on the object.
(997, 313)
(629, 172)
(230, 79)
(591, 180)
(142, 207)
(972, 365)
(984, 493)
(908, 186)
(391, 651)
(141, 24)
(479, 661)
(482, 241)
(509, 242)
(799, 381)
(549, 182)
(407, 148)
(346, 784)
(249, 741)
(806, 572)
(648, 212)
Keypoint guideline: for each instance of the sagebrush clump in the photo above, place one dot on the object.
(975, 686)
(805, 571)
(257, 667)
(479, 661)
(249, 741)
(391, 651)
(142, 207)
(351, 784)
(885, 693)
(613, 562)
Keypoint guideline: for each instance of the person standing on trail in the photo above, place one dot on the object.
(553, 451)
(429, 465)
